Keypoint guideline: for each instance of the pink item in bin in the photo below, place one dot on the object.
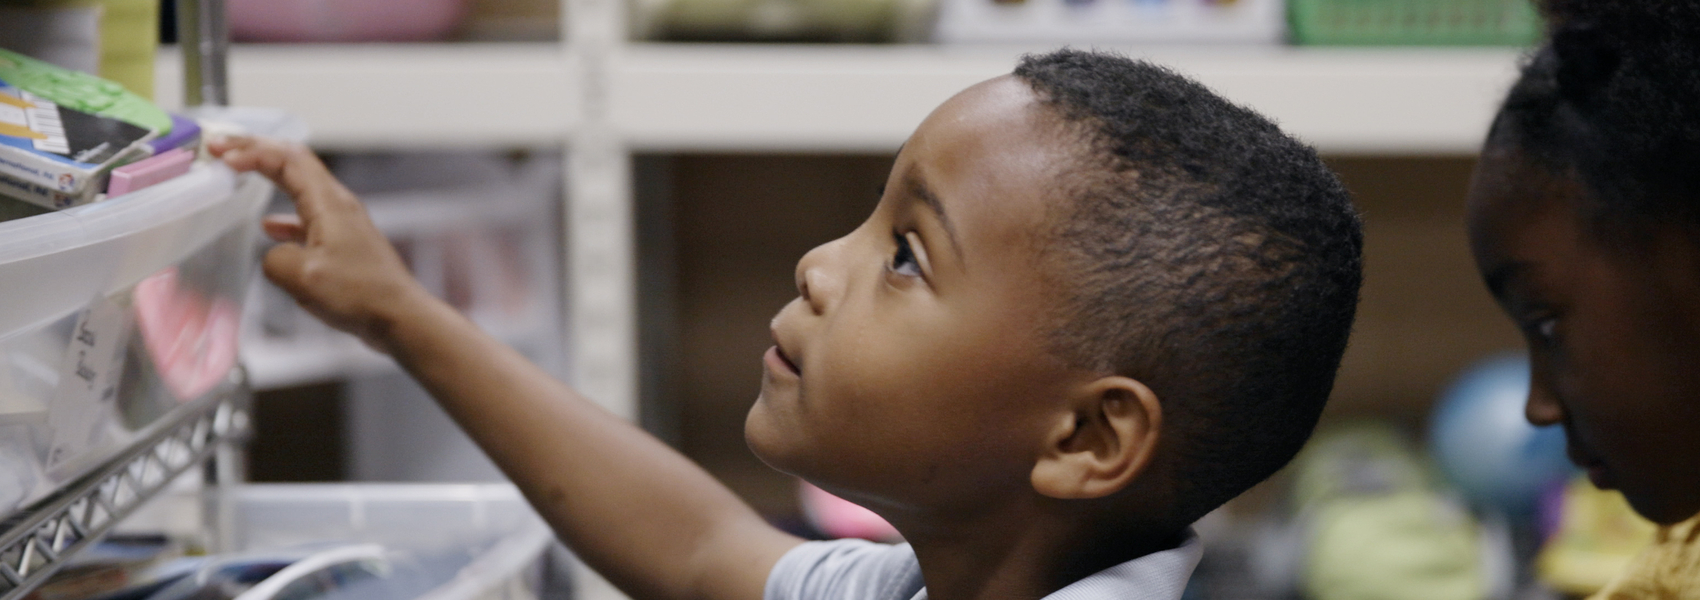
(192, 340)
(150, 171)
(343, 20)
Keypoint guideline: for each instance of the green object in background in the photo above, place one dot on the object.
(11, 209)
(81, 91)
(1409, 545)
(1355, 460)
(1376, 527)
(1414, 22)
(781, 20)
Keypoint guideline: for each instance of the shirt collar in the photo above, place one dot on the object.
(1156, 576)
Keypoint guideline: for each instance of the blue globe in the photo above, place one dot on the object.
(1484, 445)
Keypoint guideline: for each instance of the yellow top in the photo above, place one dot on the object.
(1668, 570)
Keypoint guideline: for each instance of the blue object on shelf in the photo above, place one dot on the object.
(1486, 447)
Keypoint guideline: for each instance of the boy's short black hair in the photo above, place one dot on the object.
(1613, 99)
(1206, 254)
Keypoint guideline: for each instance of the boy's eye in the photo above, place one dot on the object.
(903, 260)
(1544, 330)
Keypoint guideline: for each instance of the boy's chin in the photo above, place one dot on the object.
(783, 442)
(766, 439)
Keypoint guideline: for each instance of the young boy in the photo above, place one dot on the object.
(1094, 303)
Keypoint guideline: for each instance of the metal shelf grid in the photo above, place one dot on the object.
(44, 537)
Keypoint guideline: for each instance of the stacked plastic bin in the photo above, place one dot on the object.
(119, 370)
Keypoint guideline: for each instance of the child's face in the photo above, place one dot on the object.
(911, 373)
(1613, 333)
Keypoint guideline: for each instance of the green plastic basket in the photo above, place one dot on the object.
(1414, 22)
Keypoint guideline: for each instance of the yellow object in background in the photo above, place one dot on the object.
(1598, 535)
(1669, 570)
(114, 39)
(512, 20)
(129, 37)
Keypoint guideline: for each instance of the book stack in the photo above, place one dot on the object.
(65, 136)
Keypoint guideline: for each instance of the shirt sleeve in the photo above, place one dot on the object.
(845, 570)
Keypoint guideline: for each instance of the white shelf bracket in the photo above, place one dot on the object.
(601, 306)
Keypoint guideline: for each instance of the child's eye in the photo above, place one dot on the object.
(1544, 330)
(903, 261)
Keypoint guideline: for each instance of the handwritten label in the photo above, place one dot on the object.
(88, 382)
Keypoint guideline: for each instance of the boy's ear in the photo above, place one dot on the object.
(1106, 439)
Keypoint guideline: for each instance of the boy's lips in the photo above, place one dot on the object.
(776, 357)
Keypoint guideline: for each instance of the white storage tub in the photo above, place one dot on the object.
(463, 541)
(114, 314)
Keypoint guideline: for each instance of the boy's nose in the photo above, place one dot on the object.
(1542, 407)
(815, 282)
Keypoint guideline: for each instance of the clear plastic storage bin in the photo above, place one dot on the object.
(114, 315)
(450, 541)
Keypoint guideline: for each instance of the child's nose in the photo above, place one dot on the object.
(1542, 407)
(815, 283)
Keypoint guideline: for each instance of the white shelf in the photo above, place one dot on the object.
(686, 97)
(275, 364)
(278, 365)
(871, 97)
(363, 96)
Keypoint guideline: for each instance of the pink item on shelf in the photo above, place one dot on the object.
(149, 171)
(192, 340)
(842, 518)
(343, 20)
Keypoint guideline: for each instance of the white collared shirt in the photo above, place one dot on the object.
(860, 570)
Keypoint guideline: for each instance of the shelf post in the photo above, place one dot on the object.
(204, 38)
(602, 298)
(600, 234)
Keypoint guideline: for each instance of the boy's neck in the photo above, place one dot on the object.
(1024, 556)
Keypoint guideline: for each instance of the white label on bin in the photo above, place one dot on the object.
(88, 381)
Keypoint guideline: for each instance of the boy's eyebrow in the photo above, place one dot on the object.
(917, 187)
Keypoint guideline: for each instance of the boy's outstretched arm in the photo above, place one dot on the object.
(644, 516)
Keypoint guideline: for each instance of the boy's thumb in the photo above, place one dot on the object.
(283, 265)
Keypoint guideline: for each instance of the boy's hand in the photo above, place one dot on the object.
(331, 257)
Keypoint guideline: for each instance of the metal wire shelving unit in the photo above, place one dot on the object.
(41, 539)
(44, 536)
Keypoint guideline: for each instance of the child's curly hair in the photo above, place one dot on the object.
(1613, 99)
(1205, 253)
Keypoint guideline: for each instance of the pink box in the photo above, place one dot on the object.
(146, 172)
(343, 20)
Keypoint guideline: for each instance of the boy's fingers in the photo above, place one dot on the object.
(218, 145)
(295, 169)
(283, 265)
(284, 228)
